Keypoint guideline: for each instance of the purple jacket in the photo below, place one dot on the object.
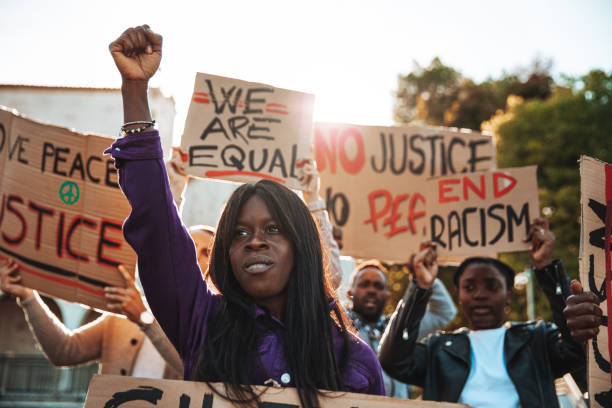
(172, 281)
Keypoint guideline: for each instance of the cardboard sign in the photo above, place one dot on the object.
(391, 188)
(61, 210)
(244, 131)
(111, 391)
(595, 268)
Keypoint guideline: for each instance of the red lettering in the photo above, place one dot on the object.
(41, 211)
(412, 215)
(467, 184)
(105, 241)
(355, 165)
(496, 191)
(392, 219)
(375, 215)
(78, 220)
(325, 152)
(443, 188)
(17, 239)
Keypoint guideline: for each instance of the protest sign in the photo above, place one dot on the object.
(61, 210)
(595, 268)
(245, 131)
(390, 188)
(112, 391)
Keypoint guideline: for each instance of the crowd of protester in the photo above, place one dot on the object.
(253, 301)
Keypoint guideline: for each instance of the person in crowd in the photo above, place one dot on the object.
(274, 309)
(135, 346)
(369, 294)
(492, 364)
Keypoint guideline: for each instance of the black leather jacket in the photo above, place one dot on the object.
(535, 352)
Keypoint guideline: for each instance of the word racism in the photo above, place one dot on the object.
(596, 268)
(402, 186)
(61, 210)
(111, 391)
(243, 131)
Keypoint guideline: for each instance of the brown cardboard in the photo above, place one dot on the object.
(69, 248)
(244, 131)
(110, 391)
(356, 161)
(596, 204)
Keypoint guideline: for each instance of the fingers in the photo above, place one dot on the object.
(582, 298)
(122, 299)
(129, 280)
(584, 335)
(114, 290)
(576, 287)
(137, 40)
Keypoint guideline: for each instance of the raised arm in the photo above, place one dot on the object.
(309, 178)
(167, 261)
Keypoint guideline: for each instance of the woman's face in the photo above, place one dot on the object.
(261, 256)
(483, 296)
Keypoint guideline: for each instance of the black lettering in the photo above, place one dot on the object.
(267, 404)
(483, 228)
(417, 169)
(16, 240)
(3, 141)
(451, 145)
(263, 162)
(235, 124)
(293, 161)
(383, 161)
(111, 172)
(278, 161)
(207, 402)
(332, 207)
(60, 235)
(107, 242)
(226, 99)
(88, 168)
(255, 128)
(78, 220)
(77, 165)
(59, 159)
(432, 140)
(215, 126)
(465, 224)
(41, 211)
(193, 156)
(230, 160)
(20, 149)
(512, 218)
(502, 222)
(249, 100)
(474, 158)
(454, 232)
(46, 153)
(443, 157)
(184, 401)
(142, 393)
(597, 237)
(435, 236)
(404, 153)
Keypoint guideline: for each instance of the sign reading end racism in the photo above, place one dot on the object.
(596, 268)
(113, 391)
(244, 131)
(391, 188)
(61, 210)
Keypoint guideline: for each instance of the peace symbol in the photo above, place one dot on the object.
(69, 192)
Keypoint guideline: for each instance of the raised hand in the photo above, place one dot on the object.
(542, 242)
(137, 53)
(424, 265)
(582, 313)
(308, 177)
(126, 301)
(10, 280)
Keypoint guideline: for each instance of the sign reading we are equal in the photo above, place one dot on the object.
(244, 131)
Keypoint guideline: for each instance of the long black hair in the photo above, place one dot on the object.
(229, 353)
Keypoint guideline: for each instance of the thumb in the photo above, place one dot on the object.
(576, 287)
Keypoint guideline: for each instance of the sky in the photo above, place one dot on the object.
(348, 53)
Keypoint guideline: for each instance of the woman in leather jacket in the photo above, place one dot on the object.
(492, 363)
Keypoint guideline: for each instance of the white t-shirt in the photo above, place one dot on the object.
(488, 384)
(149, 363)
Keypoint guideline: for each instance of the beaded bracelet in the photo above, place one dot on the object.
(146, 124)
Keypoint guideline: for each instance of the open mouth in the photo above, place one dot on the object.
(256, 266)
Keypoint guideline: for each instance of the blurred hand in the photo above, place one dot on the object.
(10, 280)
(137, 53)
(175, 167)
(542, 243)
(424, 265)
(582, 313)
(126, 301)
(308, 176)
